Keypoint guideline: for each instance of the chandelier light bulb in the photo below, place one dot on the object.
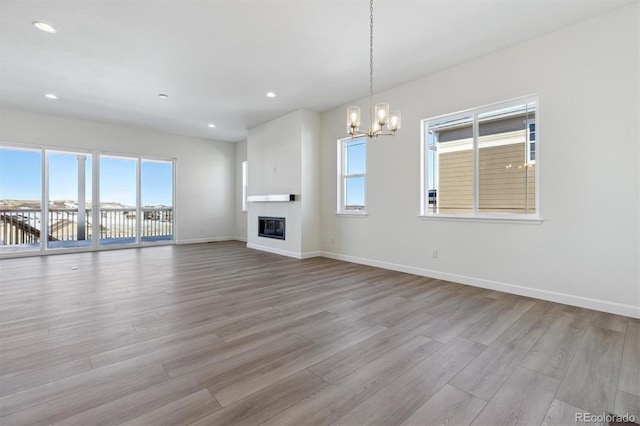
(394, 121)
(382, 112)
(353, 119)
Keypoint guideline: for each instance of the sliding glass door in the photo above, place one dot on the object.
(52, 200)
(118, 200)
(69, 200)
(20, 199)
(157, 201)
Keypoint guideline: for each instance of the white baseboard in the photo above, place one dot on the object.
(281, 252)
(310, 254)
(552, 296)
(288, 253)
(206, 240)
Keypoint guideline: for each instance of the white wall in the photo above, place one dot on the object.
(310, 197)
(204, 168)
(241, 217)
(283, 159)
(587, 250)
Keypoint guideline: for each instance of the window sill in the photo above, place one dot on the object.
(524, 219)
(358, 214)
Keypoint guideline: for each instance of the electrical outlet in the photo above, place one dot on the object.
(434, 253)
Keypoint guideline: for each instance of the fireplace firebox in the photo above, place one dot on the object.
(271, 227)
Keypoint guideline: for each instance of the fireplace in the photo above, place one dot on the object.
(271, 227)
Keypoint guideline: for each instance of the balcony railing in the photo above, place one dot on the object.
(23, 226)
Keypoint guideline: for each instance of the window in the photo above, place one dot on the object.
(352, 175)
(51, 200)
(245, 177)
(481, 163)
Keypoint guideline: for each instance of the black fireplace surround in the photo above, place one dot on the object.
(271, 227)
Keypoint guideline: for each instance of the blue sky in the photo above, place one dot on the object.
(21, 178)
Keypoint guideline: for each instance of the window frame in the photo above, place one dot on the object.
(245, 184)
(342, 177)
(476, 215)
(530, 142)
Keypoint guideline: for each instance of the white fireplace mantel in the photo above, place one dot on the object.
(271, 198)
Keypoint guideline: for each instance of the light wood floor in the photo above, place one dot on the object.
(217, 334)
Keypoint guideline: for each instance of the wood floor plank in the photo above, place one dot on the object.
(523, 400)
(592, 378)
(145, 400)
(627, 404)
(606, 321)
(291, 325)
(332, 402)
(562, 414)
(371, 311)
(235, 356)
(15, 384)
(554, 351)
(71, 385)
(493, 325)
(487, 372)
(394, 317)
(331, 329)
(394, 403)
(83, 399)
(462, 317)
(27, 359)
(244, 383)
(630, 368)
(273, 325)
(181, 412)
(204, 333)
(182, 320)
(449, 406)
(344, 362)
(268, 402)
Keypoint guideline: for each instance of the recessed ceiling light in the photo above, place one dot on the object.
(271, 95)
(44, 27)
(50, 96)
(163, 95)
(212, 125)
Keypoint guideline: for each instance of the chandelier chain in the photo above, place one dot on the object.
(378, 116)
(371, 58)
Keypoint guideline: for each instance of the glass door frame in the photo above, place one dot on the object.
(45, 210)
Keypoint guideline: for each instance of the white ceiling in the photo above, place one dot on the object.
(216, 59)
